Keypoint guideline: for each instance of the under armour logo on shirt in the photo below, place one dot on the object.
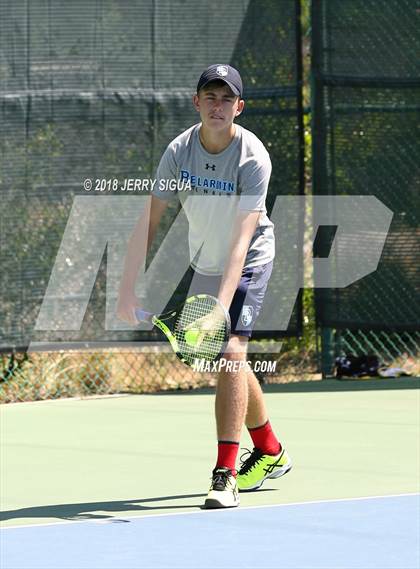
(213, 167)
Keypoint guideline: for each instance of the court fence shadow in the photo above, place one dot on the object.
(321, 385)
(90, 510)
(104, 510)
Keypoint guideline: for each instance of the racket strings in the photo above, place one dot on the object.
(213, 341)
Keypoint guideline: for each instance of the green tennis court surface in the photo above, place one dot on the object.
(147, 454)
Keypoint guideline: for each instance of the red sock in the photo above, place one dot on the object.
(227, 452)
(264, 439)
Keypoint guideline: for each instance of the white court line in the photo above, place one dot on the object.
(212, 512)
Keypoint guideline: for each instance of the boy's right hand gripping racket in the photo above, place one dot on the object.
(198, 329)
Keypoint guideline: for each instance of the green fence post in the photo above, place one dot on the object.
(327, 352)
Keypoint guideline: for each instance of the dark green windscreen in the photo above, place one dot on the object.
(366, 75)
(97, 89)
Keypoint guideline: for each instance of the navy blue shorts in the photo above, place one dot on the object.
(247, 300)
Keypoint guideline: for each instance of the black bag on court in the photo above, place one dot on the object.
(357, 366)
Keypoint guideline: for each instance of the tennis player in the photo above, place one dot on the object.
(232, 243)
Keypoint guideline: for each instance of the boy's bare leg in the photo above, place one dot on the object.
(257, 411)
(232, 392)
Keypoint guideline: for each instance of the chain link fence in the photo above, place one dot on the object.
(81, 373)
(366, 142)
(90, 372)
(96, 90)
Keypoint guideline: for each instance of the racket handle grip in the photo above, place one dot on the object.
(143, 315)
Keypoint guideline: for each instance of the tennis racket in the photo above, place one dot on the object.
(198, 329)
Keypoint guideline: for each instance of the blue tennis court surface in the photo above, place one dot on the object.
(365, 533)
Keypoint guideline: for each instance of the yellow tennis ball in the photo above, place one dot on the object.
(191, 337)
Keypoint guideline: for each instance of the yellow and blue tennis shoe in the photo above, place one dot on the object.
(258, 467)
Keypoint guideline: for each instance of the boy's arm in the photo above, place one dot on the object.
(142, 238)
(243, 230)
(254, 179)
(139, 244)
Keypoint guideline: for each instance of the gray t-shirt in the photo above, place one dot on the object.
(212, 188)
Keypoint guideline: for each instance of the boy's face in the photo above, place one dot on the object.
(218, 106)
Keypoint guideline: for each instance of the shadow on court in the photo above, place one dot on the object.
(90, 510)
(337, 385)
(324, 385)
